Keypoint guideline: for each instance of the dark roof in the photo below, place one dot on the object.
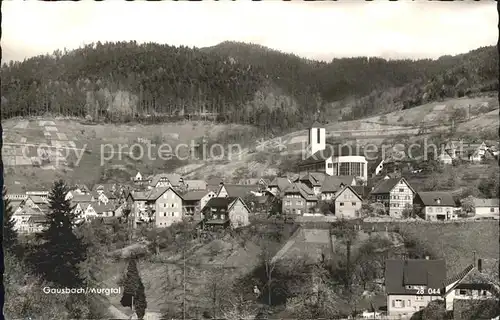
(386, 185)
(332, 183)
(281, 182)
(100, 207)
(334, 150)
(431, 199)
(347, 187)
(460, 275)
(303, 190)
(222, 202)
(240, 190)
(195, 195)
(362, 191)
(315, 178)
(38, 218)
(156, 193)
(419, 272)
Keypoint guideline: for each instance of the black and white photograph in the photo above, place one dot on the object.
(244, 160)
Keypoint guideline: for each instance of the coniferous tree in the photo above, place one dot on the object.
(9, 233)
(60, 252)
(133, 290)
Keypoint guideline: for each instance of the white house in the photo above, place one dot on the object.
(379, 168)
(472, 283)
(486, 207)
(138, 176)
(436, 206)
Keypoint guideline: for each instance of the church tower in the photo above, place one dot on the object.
(317, 137)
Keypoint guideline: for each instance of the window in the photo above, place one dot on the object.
(172, 205)
(164, 205)
(318, 134)
(353, 204)
(401, 190)
(419, 298)
(330, 165)
(492, 209)
(462, 292)
(164, 214)
(429, 209)
(409, 303)
(439, 209)
(341, 204)
(398, 303)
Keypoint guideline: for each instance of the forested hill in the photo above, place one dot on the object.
(242, 83)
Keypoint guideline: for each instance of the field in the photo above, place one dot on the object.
(457, 242)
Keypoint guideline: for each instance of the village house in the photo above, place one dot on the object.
(39, 193)
(486, 207)
(279, 185)
(194, 202)
(445, 158)
(237, 190)
(138, 177)
(165, 205)
(396, 195)
(298, 199)
(411, 284)
(86, 212)
(473, 284)
(347, 203)
(332, 184)
(435, 206)
(136, 203)
(225, 212)
(21, 218)
(333, 160)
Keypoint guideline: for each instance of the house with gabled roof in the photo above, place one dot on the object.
(165, 205)
(435, 206)
(299, 199)
(486, 207)
(331, 184)
(347, 203)
(410, 284)
(473, 284)
(194, 201)
(396, 195)
(225, 212)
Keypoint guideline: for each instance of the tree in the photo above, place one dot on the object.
(459, 114)
(133, 290)
(9, 238)
(60, 251)
(467, 205)
(346, 234)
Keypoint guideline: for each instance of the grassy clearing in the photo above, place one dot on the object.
(457, 242)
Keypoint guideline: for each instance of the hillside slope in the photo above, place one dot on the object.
(241, 83)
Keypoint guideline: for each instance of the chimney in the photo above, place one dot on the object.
(438, 200)
(480, 265)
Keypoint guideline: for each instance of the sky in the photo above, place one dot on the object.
(315, 30)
